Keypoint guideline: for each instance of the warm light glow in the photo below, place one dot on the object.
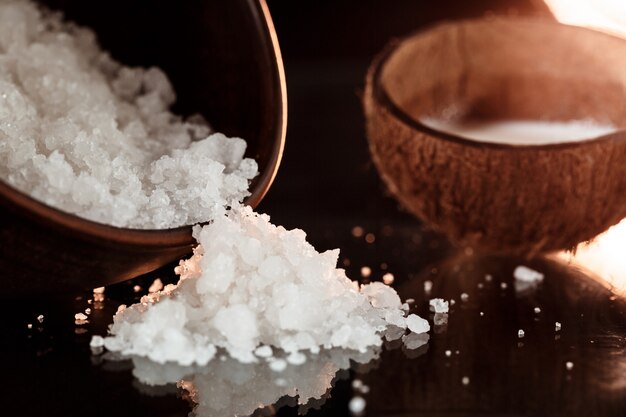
(604, 257)
(606, 15)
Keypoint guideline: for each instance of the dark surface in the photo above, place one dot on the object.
(327, 186)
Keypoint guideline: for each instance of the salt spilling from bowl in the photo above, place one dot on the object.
(85, 134)
(251, 284)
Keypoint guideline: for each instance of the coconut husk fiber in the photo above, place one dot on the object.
(524, 199)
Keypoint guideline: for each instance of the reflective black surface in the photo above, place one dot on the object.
(327, 186)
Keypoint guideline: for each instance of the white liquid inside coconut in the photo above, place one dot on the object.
(521, 132)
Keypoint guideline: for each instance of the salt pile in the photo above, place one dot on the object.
(85, 134)
(251, 284)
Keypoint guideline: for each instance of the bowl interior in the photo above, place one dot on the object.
(507, 69)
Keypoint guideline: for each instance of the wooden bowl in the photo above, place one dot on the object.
(501, 196)
(224, 61)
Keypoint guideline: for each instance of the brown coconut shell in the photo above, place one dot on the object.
(502, 197)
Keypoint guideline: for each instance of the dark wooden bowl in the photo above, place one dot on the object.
(224, 61)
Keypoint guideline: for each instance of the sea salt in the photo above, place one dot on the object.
(557, 327)
(520, 333)
(388, 278)
(525, 274)
(40, 318)
(87, 135)
(569, 366)
(438, 305)
(428, 286)
(357, 405)
(96, 342)
(251, 284)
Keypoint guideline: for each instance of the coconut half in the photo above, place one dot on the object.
(500, 193)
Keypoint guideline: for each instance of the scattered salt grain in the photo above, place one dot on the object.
(296, 358)
(557, 327)
(264, 351)
(388, 278)
(96, 341)
(88, 311)
(357, 405)
(448, 353)
(520, 333)
(99, 290)
(503, 285)
(488, 278)
(80, 316)
(465, 380)
(452, 302)
(525, 274)
(480, 285)
(156, 286)
(416, 324)
(137, 288)
(428, 286)
(569, 366)
(537, 310)
(410, 301)
(464, 297)
(438, 305)
(250, 283)
(366, 271)
(29, 326)
(40, 318)
(357, 384)
(278, 365)
(370, 238)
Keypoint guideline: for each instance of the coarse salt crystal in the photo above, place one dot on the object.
(416, 324)
(40, 318)
(357, 405)
(438, 305)
(520, 333)
(96, 341)
(80, 316)
(156, 286)
(525, 274)
(278, 365)
(388, 278)
(366, 271)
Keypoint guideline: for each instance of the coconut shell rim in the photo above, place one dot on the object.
(382, 98)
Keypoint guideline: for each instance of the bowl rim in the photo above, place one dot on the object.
(44, 214)
(382, 97)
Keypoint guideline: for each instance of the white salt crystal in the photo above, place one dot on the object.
(520, 333)
(465, 380)
(464, 297)
(40, 318)
(366, 271)
(537, 310)
(438, 305)
(296, 358)
(357, 405)
(264, 351)
(414, 341)
(278, 365)
(388, 278)
(282, 294)
(96, 341)
(416, 324)
(137, 288)
(569, 366)
(91, 137)
(525, 274)
(448, 353)
(29, 326)
(557, 326)
(99, 290)
(357, 384)
(488, 278)
(88, 311)
(428, 286)
(503, 285)
(156, 286)
(80, 316)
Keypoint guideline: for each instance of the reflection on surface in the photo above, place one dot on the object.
(227, 387)
(604, 257)
(479, 366)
